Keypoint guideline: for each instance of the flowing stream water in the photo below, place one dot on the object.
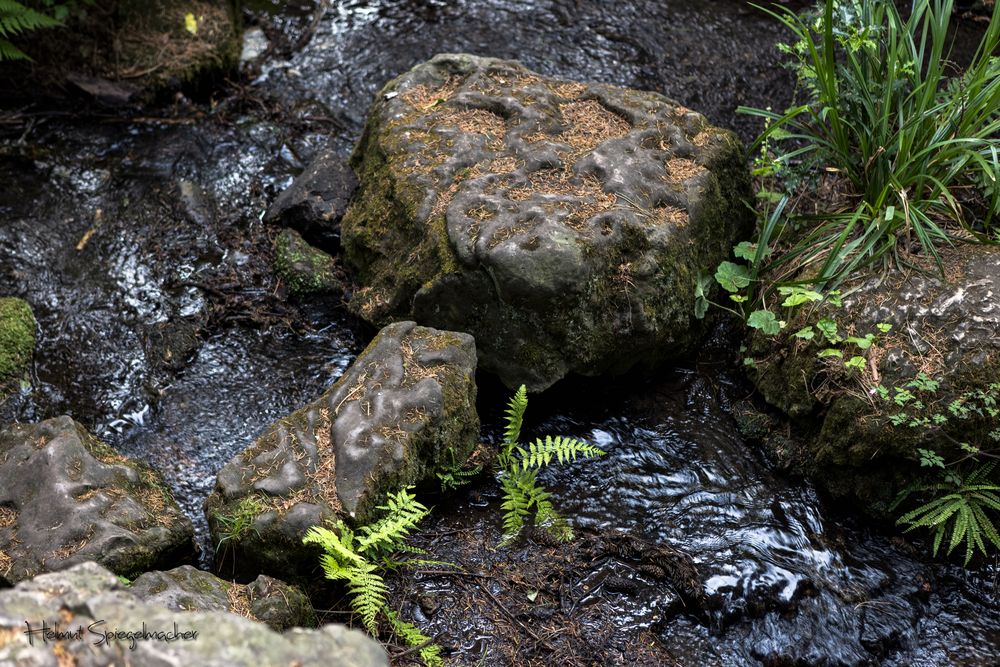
(118, 229)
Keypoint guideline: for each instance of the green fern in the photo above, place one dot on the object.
(15, 20)
(430, 653)
(525, 500)
(358, 559)
(454, 475)
(960, 508)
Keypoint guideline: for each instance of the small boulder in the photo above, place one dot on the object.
(315, 202)
(402, 411)
(66, 497)
(265, 599)
(90, 604)
(303, 268)
(562, 224)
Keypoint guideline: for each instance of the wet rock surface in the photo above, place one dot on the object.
(404, 409)
(265, 599)
(90, 597)
(316, 201)
(947, 328)
(562, 224)
(66, 497)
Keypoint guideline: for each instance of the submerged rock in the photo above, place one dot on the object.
(90, 598)
(560, 223)
(315, 202)
(265, 599)
(17, 342)
(66, 497)
(947, 330)
(303, 268)
(404, 409)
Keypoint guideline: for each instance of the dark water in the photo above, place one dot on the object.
(169, 206)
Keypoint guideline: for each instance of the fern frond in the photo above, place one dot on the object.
(368, 594)
(10, 52)
(336, 544)
(412, 637)
(403, 513)
(515, 416)
(541, 452)
(517, 502)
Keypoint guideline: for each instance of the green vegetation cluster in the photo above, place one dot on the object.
(359, 558)
(892, 155)
(19, 18)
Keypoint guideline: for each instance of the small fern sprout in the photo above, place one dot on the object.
(525, 501)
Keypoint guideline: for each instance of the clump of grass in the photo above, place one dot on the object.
(886, 112)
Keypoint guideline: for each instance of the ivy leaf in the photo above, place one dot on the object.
(884, 327)
(855, 363)
(863, 343)
(745, 250)
(765, 322)
(732, 277)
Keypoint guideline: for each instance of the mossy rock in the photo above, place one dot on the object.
(303, 268)
(129, 51)
(89, 596)
(947, 329)
(66, 497)
(403, 411)
(266, 599)
(17, 342)
(562, 224)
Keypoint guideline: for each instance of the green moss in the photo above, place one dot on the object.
(17, 341)
(305, 269)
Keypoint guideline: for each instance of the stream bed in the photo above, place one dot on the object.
(137, 240)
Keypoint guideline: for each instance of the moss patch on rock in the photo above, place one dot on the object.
(17, 341)
(303, 268)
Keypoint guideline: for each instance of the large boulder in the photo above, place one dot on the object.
(402, 411)
(562, 224)
(66, 497)
(265, 599)
(91, 606)
(948, 329)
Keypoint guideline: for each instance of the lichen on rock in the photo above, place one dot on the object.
(560, 223)
(405, 409)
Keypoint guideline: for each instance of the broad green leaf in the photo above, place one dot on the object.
(805, 333)
(732, 277)
(765, 322)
